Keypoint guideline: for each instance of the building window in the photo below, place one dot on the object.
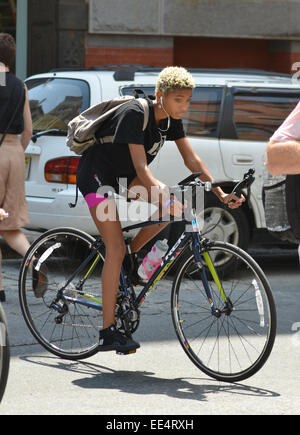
(8, 17)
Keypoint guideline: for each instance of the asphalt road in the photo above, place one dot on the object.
(159, 379)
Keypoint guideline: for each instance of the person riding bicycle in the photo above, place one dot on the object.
(128, 156)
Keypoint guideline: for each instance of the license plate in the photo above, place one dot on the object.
(27, 167)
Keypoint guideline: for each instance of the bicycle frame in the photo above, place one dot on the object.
(192, 239)
(173, 255)
(198, 248)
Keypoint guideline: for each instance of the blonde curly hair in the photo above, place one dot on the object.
(174, 77)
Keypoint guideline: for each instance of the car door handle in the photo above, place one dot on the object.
(242, 159)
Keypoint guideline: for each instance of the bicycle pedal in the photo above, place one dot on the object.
(129, 352)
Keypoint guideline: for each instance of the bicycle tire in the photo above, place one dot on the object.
(63, 250)
(4, 353)
(231, 347)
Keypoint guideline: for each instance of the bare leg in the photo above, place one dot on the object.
(17, 241)
(147, 233)
(112, 235)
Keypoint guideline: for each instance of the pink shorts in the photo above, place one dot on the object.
(94, 199)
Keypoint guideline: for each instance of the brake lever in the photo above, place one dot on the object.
(245, 183)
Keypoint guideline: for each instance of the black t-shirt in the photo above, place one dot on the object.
(10, 95)
(126, 126)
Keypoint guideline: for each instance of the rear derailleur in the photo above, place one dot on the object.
(62, 308)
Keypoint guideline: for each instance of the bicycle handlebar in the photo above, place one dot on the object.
(239, 185)
(190, 181)
(245, 183)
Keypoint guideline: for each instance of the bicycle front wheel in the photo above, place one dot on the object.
(4, 353)
(59, 317)
(229, 344)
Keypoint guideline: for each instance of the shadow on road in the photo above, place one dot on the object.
(94, 376)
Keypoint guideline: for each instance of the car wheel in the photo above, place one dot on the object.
(224, 224)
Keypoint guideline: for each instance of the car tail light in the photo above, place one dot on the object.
(62, 170)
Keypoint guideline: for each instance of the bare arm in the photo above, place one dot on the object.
(283, 157)
(139, 160)
(157, 191)
(27, 132)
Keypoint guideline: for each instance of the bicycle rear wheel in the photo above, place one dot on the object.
(230, 345)
(65, 327)
(4, 353)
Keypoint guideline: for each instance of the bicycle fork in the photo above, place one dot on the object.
(228, 307)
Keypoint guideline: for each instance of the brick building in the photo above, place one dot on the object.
(261, 34)
(196, 33)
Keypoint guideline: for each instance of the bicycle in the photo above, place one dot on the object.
(225, 325)
(4, 353)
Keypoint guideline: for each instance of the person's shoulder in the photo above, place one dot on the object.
(133, 110)
(15, 82)
(15, 79)
(134, 105)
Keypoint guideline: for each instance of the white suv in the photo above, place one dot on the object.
(232, 115)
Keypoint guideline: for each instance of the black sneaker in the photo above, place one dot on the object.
(111, 339)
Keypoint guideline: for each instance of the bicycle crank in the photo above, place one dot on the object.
(127, 316)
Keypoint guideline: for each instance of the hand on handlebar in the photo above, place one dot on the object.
(235, 199)
(232, 200)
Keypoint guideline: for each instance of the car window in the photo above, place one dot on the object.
(55, 101)
(256, 117)
(202, 118)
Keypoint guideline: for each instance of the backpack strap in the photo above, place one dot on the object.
(73, 205)
(105, 139)
(144, 103)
